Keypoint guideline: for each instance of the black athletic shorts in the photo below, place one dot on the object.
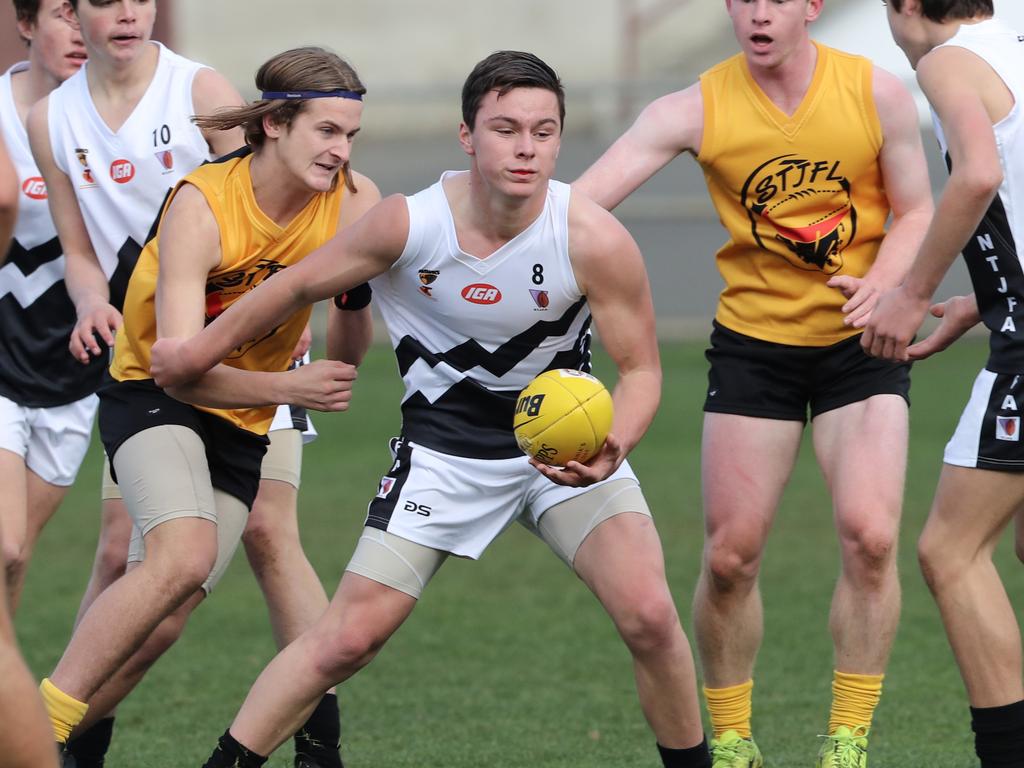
(233, 454)
(750, 377)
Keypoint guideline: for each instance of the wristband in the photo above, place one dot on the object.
(356, 298)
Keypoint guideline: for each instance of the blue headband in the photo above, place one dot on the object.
(339, 94)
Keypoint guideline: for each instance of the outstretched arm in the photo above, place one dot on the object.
(667, 127)
(905, 177)
(357, 253)
(610, 271)
(954, 81)
(189, 251)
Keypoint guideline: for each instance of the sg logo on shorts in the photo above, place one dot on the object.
(420, 509)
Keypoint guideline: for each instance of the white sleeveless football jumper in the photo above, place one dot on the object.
(47, 405)
(988, 435)
(469, 334)
(122, 178)
(36, 315)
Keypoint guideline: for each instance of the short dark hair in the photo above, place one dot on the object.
(26, 10)
(946, 10)
(503, 71)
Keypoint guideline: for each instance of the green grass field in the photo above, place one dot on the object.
(509, 661)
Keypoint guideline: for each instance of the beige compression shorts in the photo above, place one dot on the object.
(408, 566)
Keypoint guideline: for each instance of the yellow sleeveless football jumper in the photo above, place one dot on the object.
(800, 195)
(253, 248)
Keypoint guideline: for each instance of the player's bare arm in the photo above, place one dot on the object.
(666, 128)
(610, 271)
(950, 78)
(905, 175)
(350, 332)
(211, 91)
(86, 282)
(8, 198)
(364, 250)
(189, 251)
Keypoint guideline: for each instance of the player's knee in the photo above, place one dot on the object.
(346, 653)
(258, 540)
(183, 570)
(650, 624)
(869, 549)
(729, 566)
(265, 541)
(15, 560)
(938, 564)
(111, 560)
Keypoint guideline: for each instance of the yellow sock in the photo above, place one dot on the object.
(730, 708)
(65, 712)
(854, 698)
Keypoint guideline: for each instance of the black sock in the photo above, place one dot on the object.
(999, 735)
(230, 754)
(319, 738)
(691, 757)
(90, 749)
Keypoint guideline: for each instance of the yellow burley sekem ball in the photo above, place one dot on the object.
(563, 415)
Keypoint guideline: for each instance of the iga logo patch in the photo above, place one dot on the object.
(481, 293)
(1008, 428)
(122, 171)
(34, 188)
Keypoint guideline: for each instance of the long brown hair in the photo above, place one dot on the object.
(300, 69)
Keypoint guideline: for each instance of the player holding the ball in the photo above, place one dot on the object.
(563, 415)
(806, 151)
(485, 279)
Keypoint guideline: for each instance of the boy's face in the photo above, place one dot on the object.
(117, 30)
(514, 143)
(768, 31)
(56, 43)
(318, 142)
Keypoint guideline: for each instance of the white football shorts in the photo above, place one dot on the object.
(988, 435)
(460, 505)
(52, 441)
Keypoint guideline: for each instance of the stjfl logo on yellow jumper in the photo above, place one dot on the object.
(805, 207)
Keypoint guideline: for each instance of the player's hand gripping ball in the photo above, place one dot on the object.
(561, 416)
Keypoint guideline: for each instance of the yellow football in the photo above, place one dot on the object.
(563, 415)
